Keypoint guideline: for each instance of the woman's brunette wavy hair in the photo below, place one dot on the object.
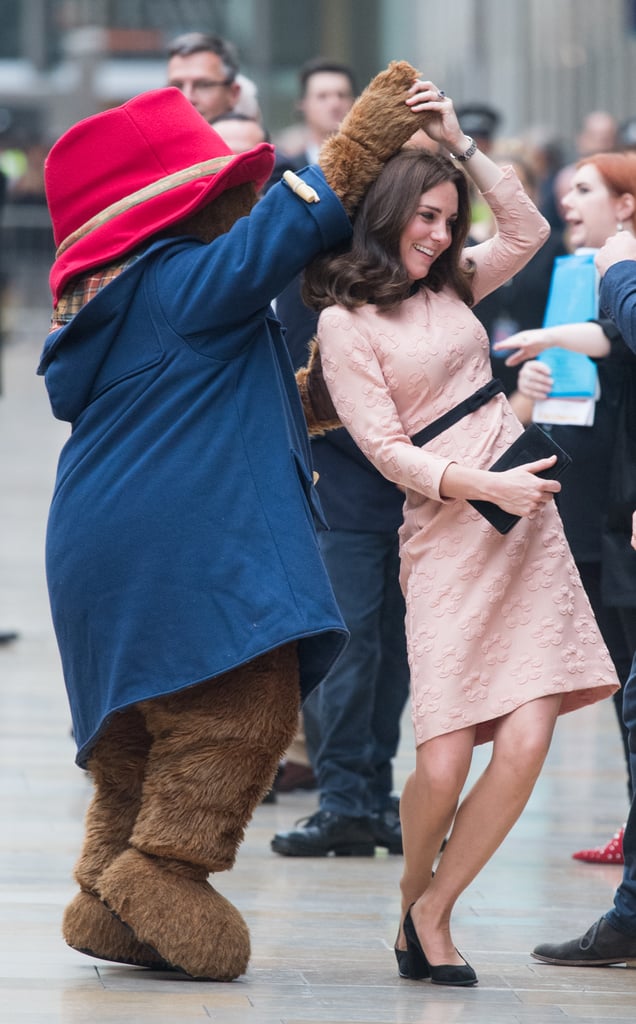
(369, 269)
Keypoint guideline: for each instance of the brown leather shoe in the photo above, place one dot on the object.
(601, 946)
(295, 776)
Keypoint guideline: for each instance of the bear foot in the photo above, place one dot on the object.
(90, 928)
(189, 924)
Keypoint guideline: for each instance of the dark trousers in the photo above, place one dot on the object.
(618, 629)
(623, 915)
(352, 721)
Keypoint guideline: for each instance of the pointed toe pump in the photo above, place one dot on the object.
(411, 961)
(440, 974)
(402, 957)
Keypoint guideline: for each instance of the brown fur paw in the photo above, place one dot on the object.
(184, 919)
(90, 928)
(377, 126)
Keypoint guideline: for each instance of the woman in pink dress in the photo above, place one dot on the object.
(501, 636)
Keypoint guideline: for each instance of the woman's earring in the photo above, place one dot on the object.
(620, 226)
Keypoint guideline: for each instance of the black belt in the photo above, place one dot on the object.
(474, 401)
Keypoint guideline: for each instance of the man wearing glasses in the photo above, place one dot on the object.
(205, 69)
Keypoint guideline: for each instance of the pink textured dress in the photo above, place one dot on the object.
(492, 621)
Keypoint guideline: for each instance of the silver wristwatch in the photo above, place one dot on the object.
(463, 157)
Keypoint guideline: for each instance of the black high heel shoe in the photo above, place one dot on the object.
(441, 974)
(412, 962)
(408, 968)
(402, 957)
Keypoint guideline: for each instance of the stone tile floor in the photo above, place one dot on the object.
(322, 930)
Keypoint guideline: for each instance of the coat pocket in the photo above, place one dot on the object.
(306, 477)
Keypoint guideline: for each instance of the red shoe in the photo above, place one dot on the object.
(611, 853)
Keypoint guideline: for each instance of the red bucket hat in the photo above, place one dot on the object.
(118, 177)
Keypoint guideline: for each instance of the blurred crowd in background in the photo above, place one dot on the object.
(271, 102)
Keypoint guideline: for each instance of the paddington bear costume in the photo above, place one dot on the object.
(188, 595)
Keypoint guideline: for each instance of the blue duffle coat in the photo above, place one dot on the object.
(181, 538)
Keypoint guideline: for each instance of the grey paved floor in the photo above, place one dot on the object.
(321, 929)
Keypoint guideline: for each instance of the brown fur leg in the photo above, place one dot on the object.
(215, 751)
(175, 910)
(117, 767)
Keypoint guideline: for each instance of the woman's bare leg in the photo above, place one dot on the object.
(427, 807)
(483, 820)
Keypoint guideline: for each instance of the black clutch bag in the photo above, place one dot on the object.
(534, 444)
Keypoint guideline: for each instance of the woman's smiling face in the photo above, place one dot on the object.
(430, 230)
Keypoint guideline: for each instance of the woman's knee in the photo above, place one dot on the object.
(525, 757)
(442, 766)
(523, 738)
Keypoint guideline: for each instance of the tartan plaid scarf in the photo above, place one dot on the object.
(86, 288)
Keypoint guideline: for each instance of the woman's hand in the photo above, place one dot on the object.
(535, 381)
(621, 246)
(587, 338)
(633, 542)
(526, 345)
(443, 126)
(520, 491)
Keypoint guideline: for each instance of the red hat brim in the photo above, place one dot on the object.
(128, 229)
(162, 169)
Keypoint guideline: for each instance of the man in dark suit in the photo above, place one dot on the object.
(352, 725)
